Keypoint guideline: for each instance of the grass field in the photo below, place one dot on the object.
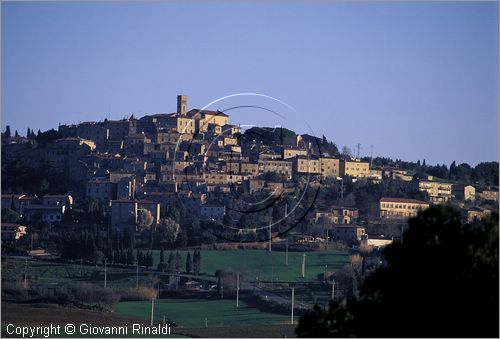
(192, 312)
(267, 266)
(46, 314)
(252, 264)
(266, 331)
(62, 273)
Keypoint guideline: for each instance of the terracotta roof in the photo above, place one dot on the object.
(403, 200)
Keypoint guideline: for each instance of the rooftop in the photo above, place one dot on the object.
(403, 200)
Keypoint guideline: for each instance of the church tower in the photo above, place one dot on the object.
(181, 104)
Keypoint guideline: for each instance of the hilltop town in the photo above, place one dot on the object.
(187, 166)
(192, 211)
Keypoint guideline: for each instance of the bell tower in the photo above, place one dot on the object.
(182, 104)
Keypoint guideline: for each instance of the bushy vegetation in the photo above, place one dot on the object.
(440, 281)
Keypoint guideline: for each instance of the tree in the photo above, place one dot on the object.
(16, 134)
(162, 266)
(174, 214)
(150, 259)
(7, 132)
(9, 215)
(441, 263)
(145, 220)
(182, 238)
(189, 263)
(244, 221)
(167, 232)
(196, 262)
(43, 187)
(346, 152)
(227, 220)
(130, 257)
(170, 262)
(177, 262)
(453, 171)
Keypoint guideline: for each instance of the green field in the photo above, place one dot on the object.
(254, 265)
(192, 312)
(267, 266)
(21, 314)
(44, 272)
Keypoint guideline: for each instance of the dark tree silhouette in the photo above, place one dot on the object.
(440, 281)
(7, 133)
(189, 263)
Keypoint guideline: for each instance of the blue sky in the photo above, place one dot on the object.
(415, 80)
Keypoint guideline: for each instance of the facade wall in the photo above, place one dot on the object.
(277, 166)
(355, 169)
(394, 209)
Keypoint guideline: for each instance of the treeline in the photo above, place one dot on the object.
(483, 174)
(174, 262)
(95, 246)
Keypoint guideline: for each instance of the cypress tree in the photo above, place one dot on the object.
(170, 262)
(7, 132)
(189, 263)
(177, 261)
(130, 257)
(162, 256)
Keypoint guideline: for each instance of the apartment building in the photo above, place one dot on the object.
(282, 167)
(354, 168)
(439, 192)
(328, 167)
(400, 208)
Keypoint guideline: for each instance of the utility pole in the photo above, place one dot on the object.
(206, 322)
(272, 276)
(25, 271)
(152, 309)
(286, 252)
(282, 148)
(333, 289)
(270, 236)
(293, 304)
(371, 156)
(286, 246)
(238, 289)
(303, 265)
(105, 272)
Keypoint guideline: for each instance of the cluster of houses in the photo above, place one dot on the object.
(49, 208)
(347, 229)
(197, 157)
